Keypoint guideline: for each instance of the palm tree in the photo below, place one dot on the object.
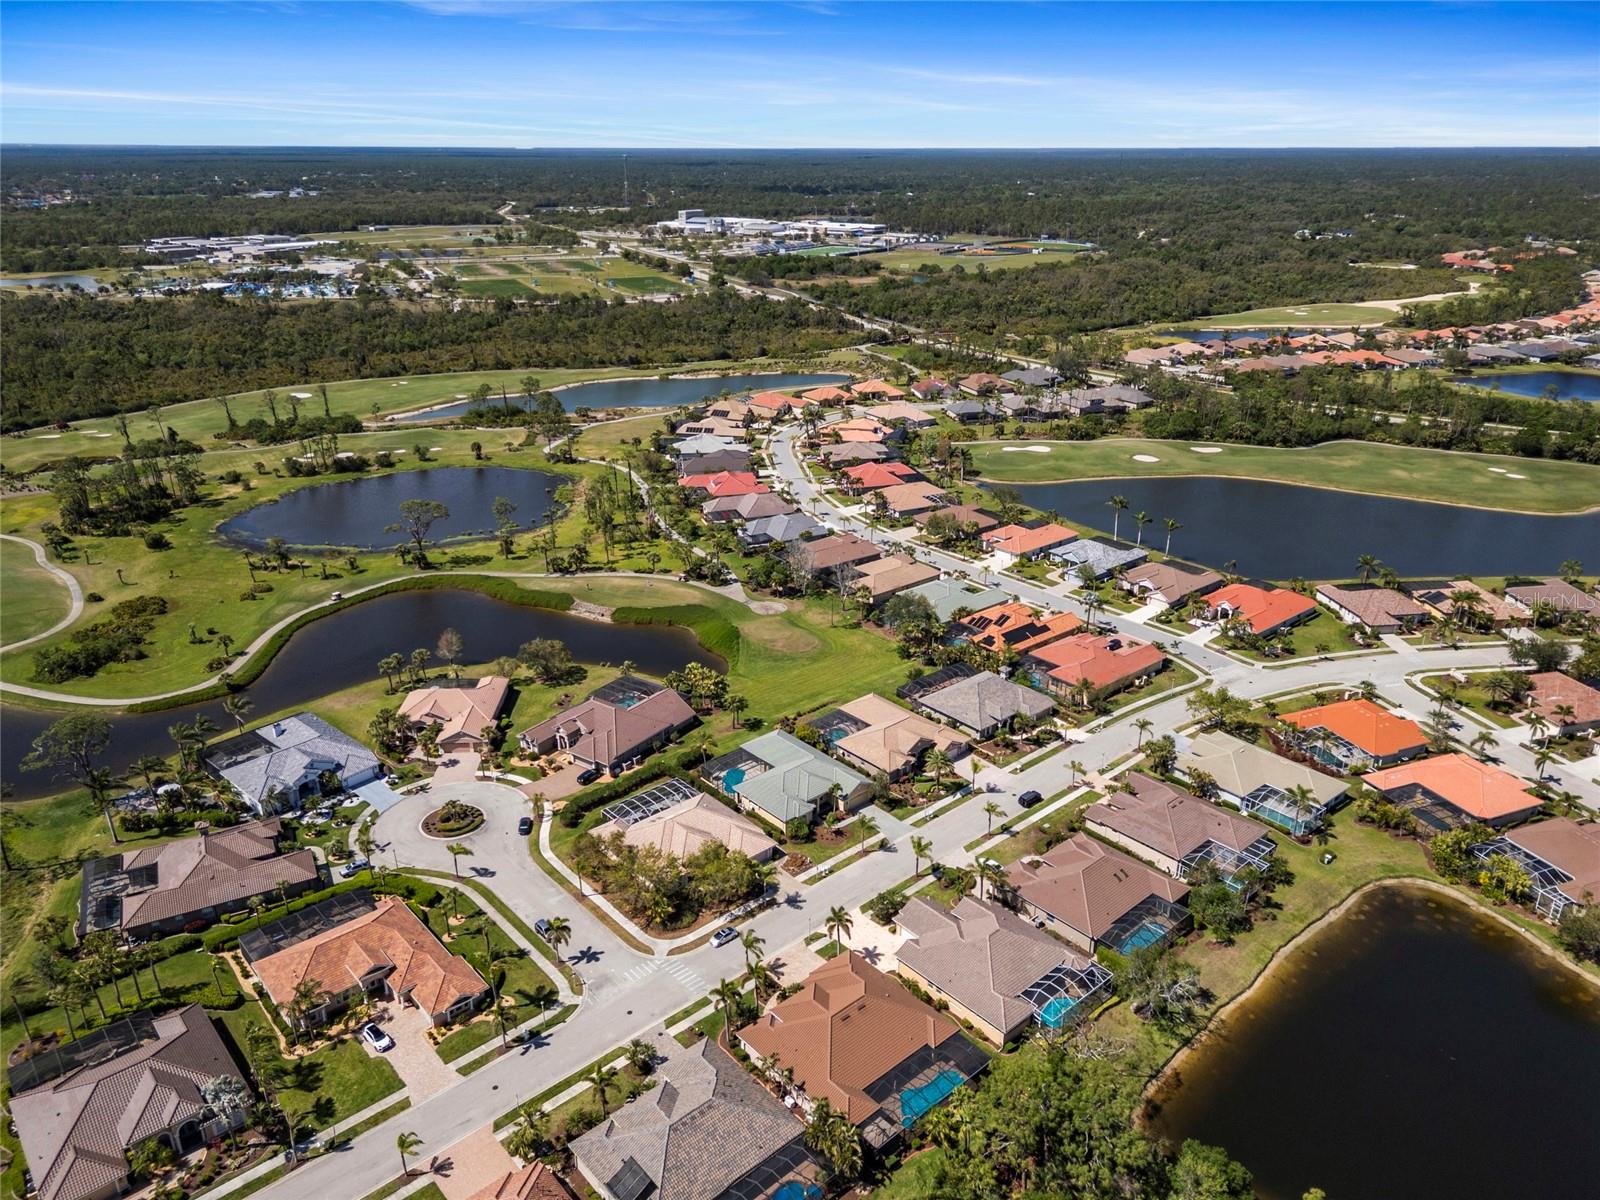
(1144, 725)
(149, 768)
(1367, 565)
(735, 704)
(921, 848)
(600, 1079)
(1118, 504)
(558, 932)
(238, 707)
(1482, 743)
(1301, 800)
(1542, 760)
(100, 781)
(1141, 519)
(1172, 528)
(830, 1134)
(406, 1143)
(866, 827)
(727, 994)
(530, 1134)
(641, 1055)
(992, 810)
(1077, 769)
(457, 850)
(937, 762)
(753, 944)
(992, 873)
(838, 924)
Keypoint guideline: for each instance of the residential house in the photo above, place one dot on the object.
(1560, 595)
(879, 736)
(1095, 896)
(914, 418)
(532, 1182)
(458, 713)
(723, 483)
(861, 429)
(384, 953)
(826, 395)
(705, 443)
(1408, 357)
(909, 499)
(706, 1131)
(1014, 626)
(729, 409)
(1561, 857)
(877, 389)
(1380, 609)
(191, 882)
(983, 703)
(1356, 735)
(1032, 377)
(1566, 704)
(80, 1110)
(1453, 790)
(824, 558)
(883, 577)
(854, 452)
(750, 507)
(869, 476)
(981, 384)
(1441, 597)
(614, 737)
(930, 388)
(1117, 397)
(280, 765)
(969, 516)
(1100, 557)
(858, 1039)
(1260, 783)
(719, 427)
(773, 406)
(781, 777)
(686, 825)
(968, 412)
(1091, 666)
(716, 462)
(1178, 832)
(994, 970)
(1266, 611)
(781, 529)
(1011, 544)
(1170, 583)
(950, 594)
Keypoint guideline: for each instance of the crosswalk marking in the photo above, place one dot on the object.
(688, 978)
(641, 971)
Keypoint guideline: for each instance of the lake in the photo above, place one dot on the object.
(87, 282)
(1283, 530)
(355, 512)
(1569, 385)
(1415, 1048)
(648, 393)
(342, 650)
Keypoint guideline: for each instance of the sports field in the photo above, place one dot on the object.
(1368, 467)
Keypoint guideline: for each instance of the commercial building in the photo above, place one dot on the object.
(279, 766)
(1095, 896)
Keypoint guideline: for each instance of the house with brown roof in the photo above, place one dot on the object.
(981, 384)
(877, 389)
(908, 499)
(883, 577)
(385, 953)
(827, 394)
(860, 429)
(532, 1182)
(914, 417)
(79, 1115)
(688, 826)
(857, 1038)
(1171, 583)
(1014, 626)
(970, 516)
(1568, 705)
(612, 736)
(880, 737)
(994, 970)
(930, 388)
(1092, 665)
(1176, 831)
(1380, 609)
(1453, 790)
(1009, 543)
(1448, 599)
(854, 452)
(824, 557)
(706, 1131)
(458, 712)
(752, 507)
(1265, 610)
(1356, 735)
(190, 883)
(1095, 896)
(1561, 857)
(1557, 593)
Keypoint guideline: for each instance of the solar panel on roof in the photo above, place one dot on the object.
(631, 1182)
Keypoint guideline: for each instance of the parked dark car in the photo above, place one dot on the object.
(1029, 799)
(525, 826)
(589, 776)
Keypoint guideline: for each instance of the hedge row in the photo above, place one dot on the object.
(226, 935)
(580, 805)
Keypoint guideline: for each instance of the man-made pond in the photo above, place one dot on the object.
(342, 650)
(87, 282)
(648, 393)
(356, 512)
(1569, 385)
(1283, 530)
(1415, 1048)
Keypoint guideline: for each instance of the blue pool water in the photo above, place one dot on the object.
(1147, 934)
(1055, 1013)
(795, 1189)
(916, 1101)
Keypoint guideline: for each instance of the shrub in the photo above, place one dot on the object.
(885, 907)
(94, 597)
(156, 540)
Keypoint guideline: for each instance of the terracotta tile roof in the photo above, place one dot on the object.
(907, 499)
(388, 935)
(930, 387)
(967, 514)
(457, 711)
(847, 1027)
(1365, 725)
(1261, 609)
(691, 825)
(838, 550)
(1476, 788)
(724, 483)
(866, 476)
(1013, 625)
(886, 576)
(1088, 885)
(1552, 689)
(859, 425)
(533, 1182)
(1099, 661)
(775, 401)
(1019, 539)
(604, 733)
(75, 1128)
(980, 381)
(1169, 821)
(877, 387)
(826, 395)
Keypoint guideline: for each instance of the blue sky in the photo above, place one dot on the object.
(482, 73)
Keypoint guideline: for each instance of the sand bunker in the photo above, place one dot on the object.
(1025, 449)
(301, 395)
(1145, 458)
(435, 449)
(1512, 475)
(95, 433)
(1497, 470)
(48, 436)
(1206, 449)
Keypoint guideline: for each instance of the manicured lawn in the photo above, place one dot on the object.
(1300, 315)
(914, 1179)
(34, 598)
(494, 289)
(1175, 676)
(1365, 467)
(1323, 634)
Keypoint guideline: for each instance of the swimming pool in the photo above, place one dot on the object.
(1056, 1011)
(796, 1189)
(1147, 934)
(914, 1102)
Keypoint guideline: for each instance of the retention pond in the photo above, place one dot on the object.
(1414, 1048)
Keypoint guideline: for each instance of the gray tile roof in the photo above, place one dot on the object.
(948, 595)
(786, 527)
(1102, 557)
(285, 753)
(985, 700)
(797, 776)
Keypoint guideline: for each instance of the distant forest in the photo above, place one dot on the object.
(69, 357)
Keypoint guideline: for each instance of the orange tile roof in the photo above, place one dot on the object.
(1098, 661)
(1476, 788)
(1552, 689)
(877, 387)
(1365, 725)
(774, 400)
(826, 395)
(1019, 539)
(1261, 609)
(879, 475)
(724, 483)
(1013, 625)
